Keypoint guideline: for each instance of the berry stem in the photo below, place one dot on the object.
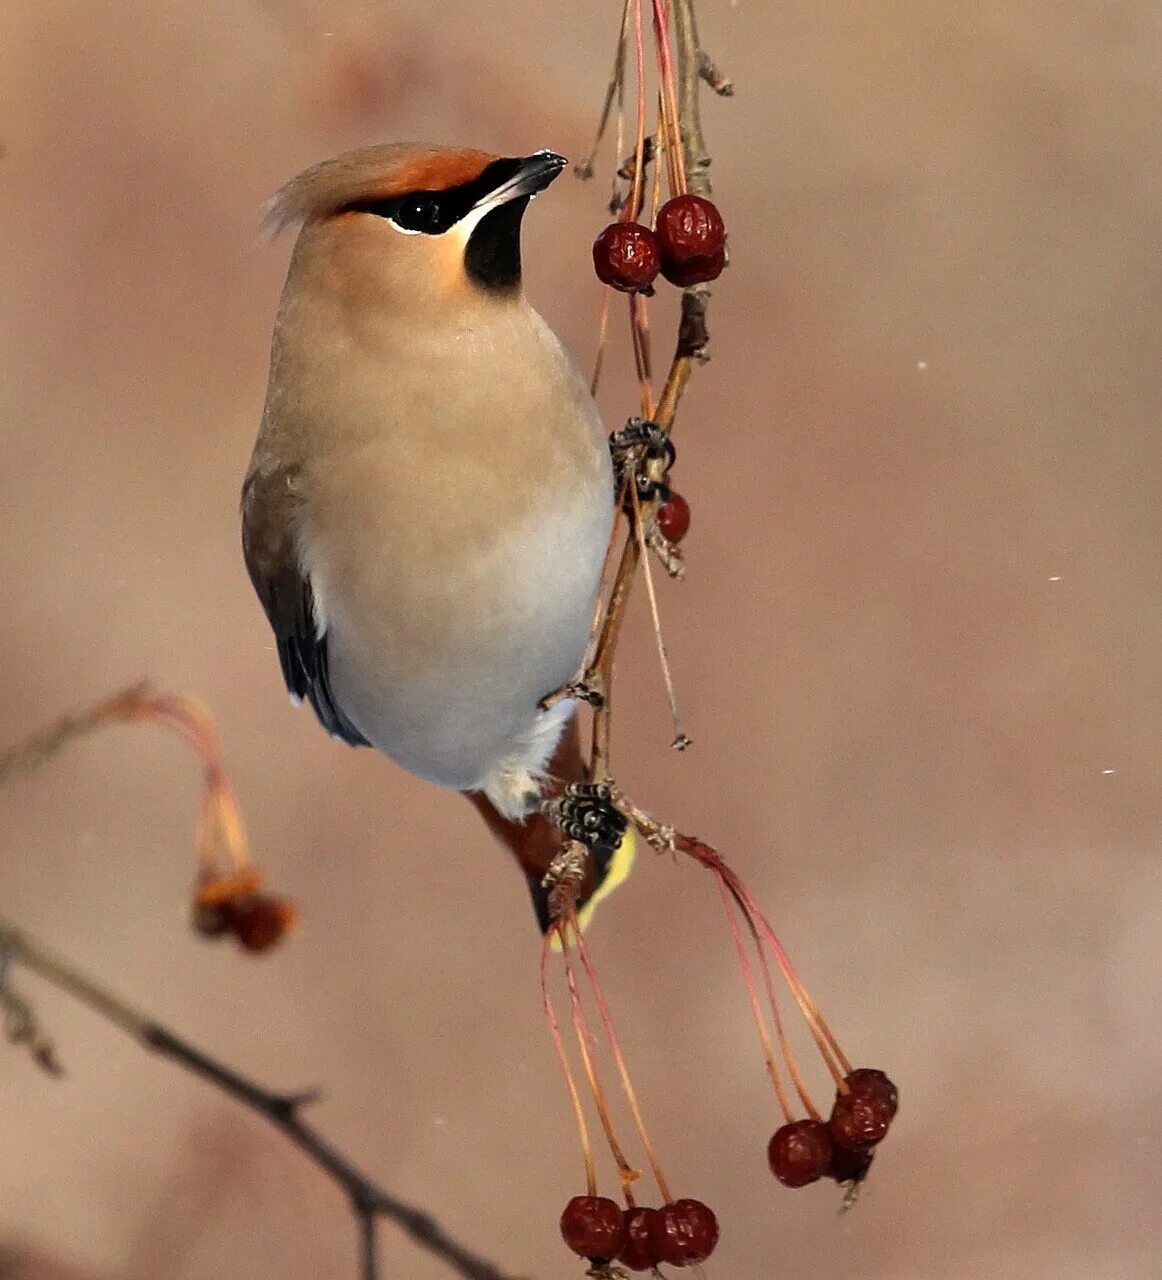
(619, 1062)
(756, 1007)
(821, 1033)
(627, 1173)
(773, 1000)
(563, 1059)
(639, 329)
(656, 188)
(680, 738)
(602, 340)
(669, 94)
(635, 197)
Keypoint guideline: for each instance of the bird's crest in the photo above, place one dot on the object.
(370, 173)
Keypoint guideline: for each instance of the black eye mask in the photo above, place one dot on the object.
(434, 212)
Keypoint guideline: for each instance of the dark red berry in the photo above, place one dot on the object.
(692, 239)
(872, 1079)
(861, 1116)
(690, 227)
(639, 1253)
(685, 1233)
(626, 256)
(260, 922)
(673, 518)
(695, 270)
(849, 1166)
(592, 1227)
(800, 1153)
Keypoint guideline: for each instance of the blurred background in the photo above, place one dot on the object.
(917, 647)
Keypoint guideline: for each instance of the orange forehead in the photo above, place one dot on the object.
(435, 170)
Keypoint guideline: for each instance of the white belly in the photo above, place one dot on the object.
(443, 670)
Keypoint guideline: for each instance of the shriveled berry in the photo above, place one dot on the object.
(626, 255)
(846, 1165)
(872, 1080)
(673, 517)
(689, 228)
(592, 1227)
(260, 922)
(694, 270)
(685, 1233)
(639, 1253)
(861, 1116)
(800, 1153)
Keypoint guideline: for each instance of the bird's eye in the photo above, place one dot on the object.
(419, 213)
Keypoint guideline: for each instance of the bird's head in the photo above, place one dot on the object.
(425, 226)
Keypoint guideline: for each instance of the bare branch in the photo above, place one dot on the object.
(369, 1202)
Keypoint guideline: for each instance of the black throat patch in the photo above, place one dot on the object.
(492, 259)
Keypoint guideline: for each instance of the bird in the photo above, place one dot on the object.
(428, 505)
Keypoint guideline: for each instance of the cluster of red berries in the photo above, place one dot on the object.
(257, 921)
(681, 1234)
(842, 1146)
(688, 246)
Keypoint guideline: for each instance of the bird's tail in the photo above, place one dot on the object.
(536, 842)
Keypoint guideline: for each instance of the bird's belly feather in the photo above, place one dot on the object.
(446, 627)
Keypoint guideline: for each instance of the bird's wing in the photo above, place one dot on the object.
(268, 545)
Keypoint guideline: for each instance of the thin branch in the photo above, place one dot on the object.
(368, 1201)
(690, 348)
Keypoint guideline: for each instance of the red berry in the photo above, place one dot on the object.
(639, 1253)
(592, 1227)
(849, 1166)
(690, 227)
(673, 518)
(685, 1233)
(873, 1080)
(260, 922)
(626, 255)
(692, 238)
(694, 270)
(800, 1153)
(861, 1116)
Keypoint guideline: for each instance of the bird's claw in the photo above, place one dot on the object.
(585, 812)
(645, 451)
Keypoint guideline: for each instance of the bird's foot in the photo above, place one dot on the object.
(588, 688)
(644, 451)
(585, 812)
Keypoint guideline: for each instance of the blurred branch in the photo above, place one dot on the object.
(368, 1201)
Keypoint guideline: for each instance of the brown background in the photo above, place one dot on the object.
(920, 629)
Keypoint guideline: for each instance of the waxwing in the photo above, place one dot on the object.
(430, 498)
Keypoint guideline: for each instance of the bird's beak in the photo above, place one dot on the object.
(532, 174)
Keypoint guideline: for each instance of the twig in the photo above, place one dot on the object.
(368, 1201)
(690, 348)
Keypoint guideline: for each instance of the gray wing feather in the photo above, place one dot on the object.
(268, 503)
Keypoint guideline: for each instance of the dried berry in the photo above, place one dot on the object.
(861, 1116)
(260, 921)
(626, 256)
(685, 1233)
(800, 1153)
(690, 227)
(640, 1253)
(872, 1079)
(592, 1227)
(673, 517)
(695, 271)
(846, 1165)
(692, 239)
